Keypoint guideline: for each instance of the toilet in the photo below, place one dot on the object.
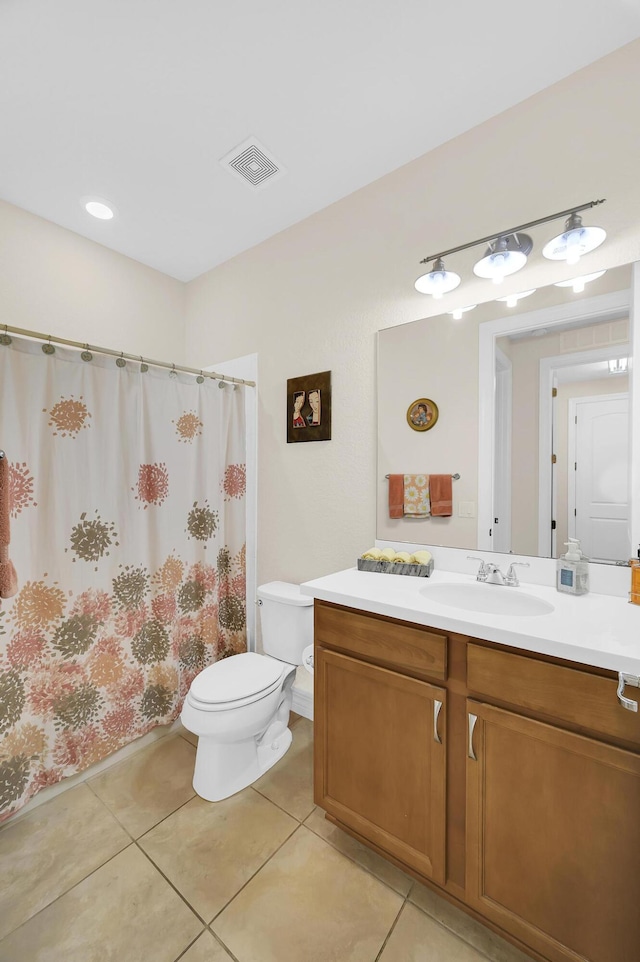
(239, 707)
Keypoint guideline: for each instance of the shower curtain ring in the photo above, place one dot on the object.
(48, 348)
(173, 372)
(120, 362)
(143, 367)
(200, 378)
(5, 340)
(86, 354)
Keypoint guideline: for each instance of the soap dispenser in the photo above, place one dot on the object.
(573, 570)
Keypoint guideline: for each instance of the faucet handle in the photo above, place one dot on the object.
(511, 577)
(483, 570)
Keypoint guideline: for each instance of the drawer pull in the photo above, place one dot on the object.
(624, 678)
(437, 708)
(472, 724)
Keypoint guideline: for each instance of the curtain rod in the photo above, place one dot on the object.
(48, 338)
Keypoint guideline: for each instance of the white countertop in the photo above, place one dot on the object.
(592, 629)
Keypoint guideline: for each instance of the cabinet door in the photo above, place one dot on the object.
(553, 837)
(380, 758)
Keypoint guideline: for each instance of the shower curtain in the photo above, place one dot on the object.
(127, 487)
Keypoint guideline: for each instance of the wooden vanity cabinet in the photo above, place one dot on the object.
(542, 841)
(380, 764)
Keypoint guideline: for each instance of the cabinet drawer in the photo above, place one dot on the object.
(394, 644)
(564, 694)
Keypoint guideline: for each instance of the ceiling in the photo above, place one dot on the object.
(137, 101)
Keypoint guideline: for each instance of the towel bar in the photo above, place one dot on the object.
(456, 477)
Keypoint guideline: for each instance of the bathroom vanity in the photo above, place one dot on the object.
(488, 755)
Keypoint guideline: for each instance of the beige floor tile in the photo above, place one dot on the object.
(353, 849)
(210, 849)
(125, 911)
(465, 927)
(417, 938)
(309, 903)
(293, 718)
(148, 786)
(206, 949)
(48, 851)
(290, 782)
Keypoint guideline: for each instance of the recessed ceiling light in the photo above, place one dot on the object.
(98, 209)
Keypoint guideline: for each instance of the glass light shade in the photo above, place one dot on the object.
(512, 299)
(499, 265)
(575, 241)
(99, 210)
(578, 283)
(438, 281)
(459, 311)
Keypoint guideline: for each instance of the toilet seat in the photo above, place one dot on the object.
(236, 681)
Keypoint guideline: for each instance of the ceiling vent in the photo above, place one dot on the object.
(253, 164)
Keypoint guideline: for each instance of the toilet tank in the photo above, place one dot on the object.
(286, 618)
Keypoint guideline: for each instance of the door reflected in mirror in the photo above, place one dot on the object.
(534, 417)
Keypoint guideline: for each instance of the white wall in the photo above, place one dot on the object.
(312, 297)
(56, 282)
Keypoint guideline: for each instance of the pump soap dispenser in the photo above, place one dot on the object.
(573, 570)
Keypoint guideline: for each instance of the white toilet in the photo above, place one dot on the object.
(239, 707)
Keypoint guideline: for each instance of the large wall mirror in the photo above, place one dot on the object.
(534, 416)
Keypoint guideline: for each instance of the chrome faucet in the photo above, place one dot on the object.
(489, 573)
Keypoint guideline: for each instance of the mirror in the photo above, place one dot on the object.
(534, 416)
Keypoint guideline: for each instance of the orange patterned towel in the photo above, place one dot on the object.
(441, 495)
(416, 495)
(8, 577)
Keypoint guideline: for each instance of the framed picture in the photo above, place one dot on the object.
(422, 414)
(309, 408)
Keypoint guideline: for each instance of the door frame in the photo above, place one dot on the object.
(601, 307)
(549, 366)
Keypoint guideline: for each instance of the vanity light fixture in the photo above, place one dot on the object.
(618, 365)
(577, 283)
(459, 311)
(508, 250)
(438, 281)
(512, 299)
(504, 256)
(574, 241)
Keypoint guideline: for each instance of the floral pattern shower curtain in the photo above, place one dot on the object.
(128, 536)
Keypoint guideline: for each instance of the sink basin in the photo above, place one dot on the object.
(489, 599)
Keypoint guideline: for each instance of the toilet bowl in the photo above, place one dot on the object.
(239, 707)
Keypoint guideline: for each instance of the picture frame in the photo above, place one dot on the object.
(309, 408)
(422, 414)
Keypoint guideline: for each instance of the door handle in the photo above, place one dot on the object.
(624, 678)
(437, 708)
(472, 724)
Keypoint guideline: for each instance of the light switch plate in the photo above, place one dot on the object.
(467, 509)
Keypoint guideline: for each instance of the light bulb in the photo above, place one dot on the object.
(578, 285)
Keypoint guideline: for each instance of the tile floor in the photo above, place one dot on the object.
(131, 866)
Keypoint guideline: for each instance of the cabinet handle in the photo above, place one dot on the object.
(437, 708)
(472, 724)
(624, 678)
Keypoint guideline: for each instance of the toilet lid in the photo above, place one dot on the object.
(239, 676)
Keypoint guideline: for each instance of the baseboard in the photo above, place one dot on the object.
(302, 703)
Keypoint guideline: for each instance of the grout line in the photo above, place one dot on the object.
(187, 947)
(66, 891)
(359, 864)
(389, 933)
(244, 885)
(295, 817)
(169, 882)
(224, 946)
(134, 838)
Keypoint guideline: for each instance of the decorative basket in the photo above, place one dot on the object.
(396, 567)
